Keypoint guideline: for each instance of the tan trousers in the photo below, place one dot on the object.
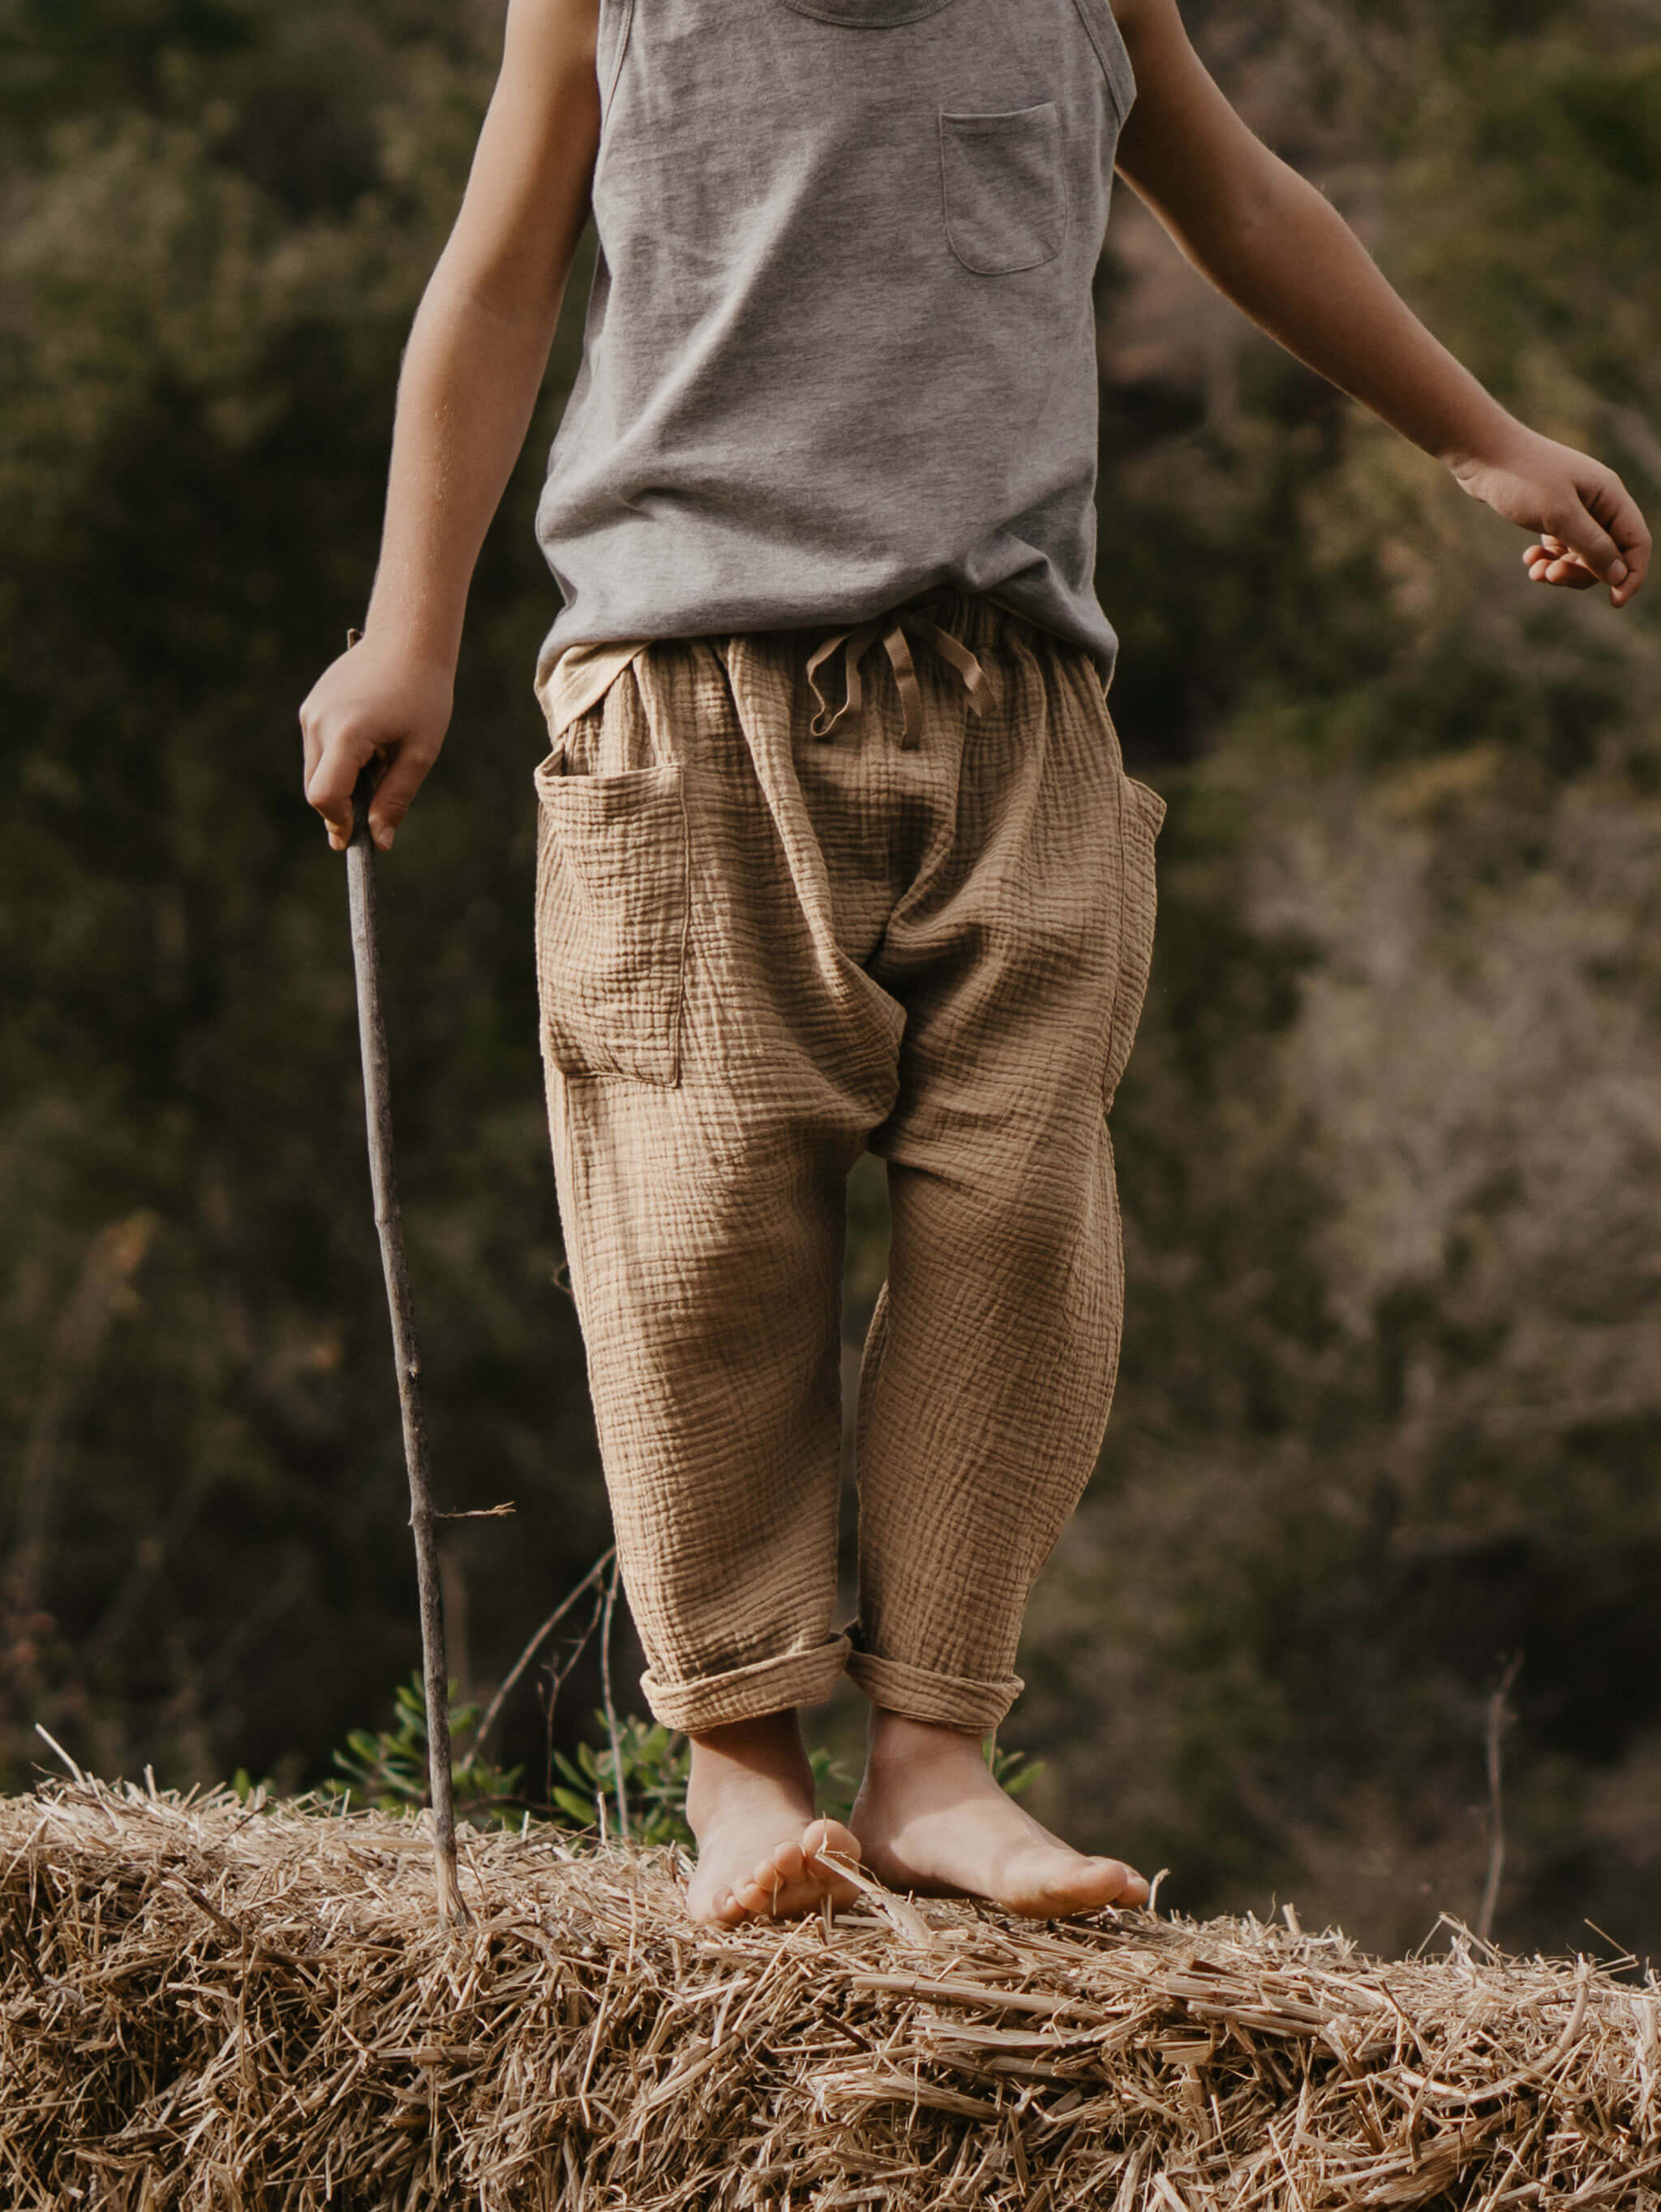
(922, 928)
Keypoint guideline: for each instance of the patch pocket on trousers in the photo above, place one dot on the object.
(1004, 188)
(613, 907)
(1141, 811)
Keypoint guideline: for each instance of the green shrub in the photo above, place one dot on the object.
(388, 1768)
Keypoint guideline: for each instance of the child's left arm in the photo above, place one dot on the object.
(1269, 241)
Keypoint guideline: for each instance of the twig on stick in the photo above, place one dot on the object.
(534, 1646)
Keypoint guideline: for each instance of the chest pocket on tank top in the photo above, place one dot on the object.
(868, 14)
(1004, 185)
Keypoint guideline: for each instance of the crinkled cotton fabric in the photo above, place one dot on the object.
(761, 951)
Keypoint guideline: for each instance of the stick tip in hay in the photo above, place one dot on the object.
(206, 2003)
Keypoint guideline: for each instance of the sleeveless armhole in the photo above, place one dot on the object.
(616, 19)
(1104, 35)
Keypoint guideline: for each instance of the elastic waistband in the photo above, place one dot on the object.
(976, 619)
(569, 682)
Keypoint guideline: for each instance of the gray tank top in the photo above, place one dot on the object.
(840, 346)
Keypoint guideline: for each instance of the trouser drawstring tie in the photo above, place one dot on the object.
(889, 631)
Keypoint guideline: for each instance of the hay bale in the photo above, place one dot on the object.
(209, 2005)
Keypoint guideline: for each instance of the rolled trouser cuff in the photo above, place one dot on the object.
(921, 1694)
(744, 1693)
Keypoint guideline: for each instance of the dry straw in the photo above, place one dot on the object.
(214, 2005)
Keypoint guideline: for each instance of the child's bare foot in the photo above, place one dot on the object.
(931, 1819)
(750, 1802)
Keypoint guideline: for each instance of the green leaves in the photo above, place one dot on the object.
(651, 1767)
(388, 1767)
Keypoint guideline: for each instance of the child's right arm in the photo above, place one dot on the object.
(1273, 245)
(472, 370)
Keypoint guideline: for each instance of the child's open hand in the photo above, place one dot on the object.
(1588, 526)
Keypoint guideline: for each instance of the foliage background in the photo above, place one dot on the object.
(1391, 1402)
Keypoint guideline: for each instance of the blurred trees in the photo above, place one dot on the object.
(1389, 1410)
(210, 269)
(1391, 1402)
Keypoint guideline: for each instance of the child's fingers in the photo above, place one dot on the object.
(1581, 553)
(1552, 563)
(1586, 542)
(1589, 526)
(342, 755)
(1635, 546)
(395, 790)
(1608, 532)
(329, 789)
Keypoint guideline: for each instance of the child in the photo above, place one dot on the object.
(837, 849)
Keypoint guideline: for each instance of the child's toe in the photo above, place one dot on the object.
(824, 1834)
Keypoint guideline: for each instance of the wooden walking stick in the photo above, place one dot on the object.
(371, 1033)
